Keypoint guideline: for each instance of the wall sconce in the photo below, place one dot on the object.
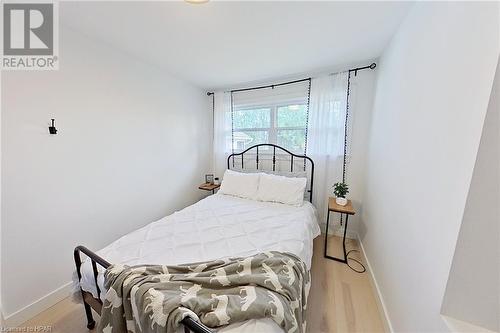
(52, 128)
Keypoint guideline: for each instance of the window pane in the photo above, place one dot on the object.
(245, 139)
(293, 140)
(252, 118)
(292, 116)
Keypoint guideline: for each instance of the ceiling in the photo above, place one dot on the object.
(227, 44)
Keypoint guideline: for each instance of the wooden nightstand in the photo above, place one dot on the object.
(346, 210)
(209, 187)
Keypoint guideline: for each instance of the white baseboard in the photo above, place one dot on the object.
(459, 326)
(380, 300)
(17, 318)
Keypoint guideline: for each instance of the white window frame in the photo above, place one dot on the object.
(273, 129)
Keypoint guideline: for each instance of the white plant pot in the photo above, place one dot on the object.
(341, 201)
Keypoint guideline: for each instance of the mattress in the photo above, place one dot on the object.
(216, 227)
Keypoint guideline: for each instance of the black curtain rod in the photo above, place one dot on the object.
(355, 70)
(271, 85)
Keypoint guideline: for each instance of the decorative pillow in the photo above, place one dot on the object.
(281, 189)
(243, 185)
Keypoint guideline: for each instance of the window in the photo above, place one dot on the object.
(277, 115)
(284, 125)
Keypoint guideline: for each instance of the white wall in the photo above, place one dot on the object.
(473, 289)
(434, 81)
(361, 108)
(133, 144)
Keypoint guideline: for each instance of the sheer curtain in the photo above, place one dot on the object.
(222, 132)
(325, 136)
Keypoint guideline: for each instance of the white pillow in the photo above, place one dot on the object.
(243, 185)
(294, 174)
(281, 189)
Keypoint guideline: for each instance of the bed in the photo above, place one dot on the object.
(216, 227)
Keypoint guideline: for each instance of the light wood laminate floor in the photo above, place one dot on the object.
(340, 300)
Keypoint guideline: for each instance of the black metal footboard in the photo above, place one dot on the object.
(90, 302)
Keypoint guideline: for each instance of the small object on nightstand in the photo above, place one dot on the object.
(216, 181)
(209, 187)
(347, 210)
(209, 179)
(340, 190)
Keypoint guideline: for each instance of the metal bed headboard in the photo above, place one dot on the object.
(305, 158)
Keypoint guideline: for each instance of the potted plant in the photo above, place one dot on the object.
(340, 190)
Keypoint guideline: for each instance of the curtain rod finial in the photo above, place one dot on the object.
(373, 65)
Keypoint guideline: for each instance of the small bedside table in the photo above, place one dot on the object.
(336, 208)
(209, 187)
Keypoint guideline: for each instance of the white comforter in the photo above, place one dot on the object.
(216, 227)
